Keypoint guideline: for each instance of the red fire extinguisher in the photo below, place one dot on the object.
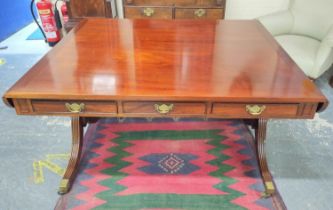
(46, 14)
(64, 13)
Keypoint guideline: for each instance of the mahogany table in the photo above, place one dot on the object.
(167, 68)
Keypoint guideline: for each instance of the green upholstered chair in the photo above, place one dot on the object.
(305, 31)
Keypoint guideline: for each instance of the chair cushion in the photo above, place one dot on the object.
(312, 17)
(303, 50)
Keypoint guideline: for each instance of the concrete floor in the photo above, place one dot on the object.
(299, 151)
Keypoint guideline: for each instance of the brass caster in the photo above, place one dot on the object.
(176, 119)
(64, 187)
(266, 194)
(270, 190)
(121, 119)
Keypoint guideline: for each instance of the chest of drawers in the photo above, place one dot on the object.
(174, 9)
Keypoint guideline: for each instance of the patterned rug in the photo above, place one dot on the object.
(167, 165)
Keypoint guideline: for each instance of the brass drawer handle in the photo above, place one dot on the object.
(255, 110)
(200, 12)
(148, 12)
(75, 107)
(163, 108)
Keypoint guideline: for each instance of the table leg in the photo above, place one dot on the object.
(260, 135)
(77, 139)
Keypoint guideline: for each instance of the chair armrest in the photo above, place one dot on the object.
(278, 23)
(324, 58)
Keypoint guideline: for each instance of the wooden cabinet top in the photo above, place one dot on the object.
(159, 59)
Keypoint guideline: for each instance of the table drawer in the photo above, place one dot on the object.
(165, 108)
(255, 110)
(84, 107)
(148, 12)
(198, 13)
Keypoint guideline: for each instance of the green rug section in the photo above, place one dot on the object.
(175, 201)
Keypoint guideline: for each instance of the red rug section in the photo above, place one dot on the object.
(199, 182)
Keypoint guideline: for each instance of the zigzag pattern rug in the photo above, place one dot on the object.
(166, 165)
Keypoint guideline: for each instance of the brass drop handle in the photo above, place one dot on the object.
(200, 12)
(148, 12)
(75, 107)
(163, 108)
(255, 110)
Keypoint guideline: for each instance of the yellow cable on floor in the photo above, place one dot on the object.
(47, 163)
(2, 61)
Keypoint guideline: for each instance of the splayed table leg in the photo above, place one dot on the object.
(77, 139)
(260, 135)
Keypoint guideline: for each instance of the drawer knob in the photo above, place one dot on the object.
(255, 110)
(148, 12)
(199, 12)
(75, 107)
(163, 108)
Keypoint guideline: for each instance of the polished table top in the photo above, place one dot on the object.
(161, 59)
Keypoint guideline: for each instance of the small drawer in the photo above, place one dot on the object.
(198, 13)
(187, 2)
(165, 108)
(255, 110)
(68, 107)
(205, 3)
(148, 12)
(151, 2)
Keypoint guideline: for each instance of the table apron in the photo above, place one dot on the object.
(203, 109)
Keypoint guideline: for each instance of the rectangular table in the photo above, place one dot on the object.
(166, 68)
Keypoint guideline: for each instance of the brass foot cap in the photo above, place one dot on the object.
(266, 194)
(270, 190)
(64, 187)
